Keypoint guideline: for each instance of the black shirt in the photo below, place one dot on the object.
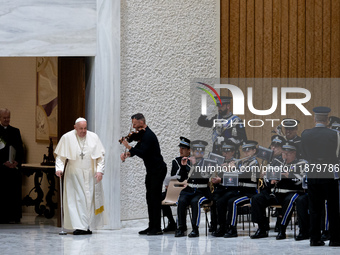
(148, 149)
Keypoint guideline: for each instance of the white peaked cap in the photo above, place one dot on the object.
(79, 120)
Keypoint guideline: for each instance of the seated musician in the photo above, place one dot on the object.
(221, 194)
(184, 151)
(284, 192)
(196, 193)
(248, 176)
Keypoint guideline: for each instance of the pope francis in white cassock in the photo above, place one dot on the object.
(83, 154)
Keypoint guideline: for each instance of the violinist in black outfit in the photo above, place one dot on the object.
(320, 146)
(195, 194)
(10, 184)
(148, 149)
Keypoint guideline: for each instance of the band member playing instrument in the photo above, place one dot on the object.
(196, 193)
(221, 193)
(284, 192)
(231, 128)
(148, 149)
(184, 151)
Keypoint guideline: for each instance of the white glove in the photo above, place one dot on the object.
(220, 139)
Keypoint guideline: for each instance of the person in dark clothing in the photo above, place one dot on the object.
(184, 151)
(196, 193)
(284, 192)
(320, 147)
(247, 188)
(221, 194)
(11, 155)
(148, 149)
(291, 128)
(230, 128)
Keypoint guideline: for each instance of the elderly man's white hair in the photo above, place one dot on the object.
(80, 119)
(4, 110)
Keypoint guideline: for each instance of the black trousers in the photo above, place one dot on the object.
(302, 213)
(195, 198)
(261, 201)
(11, 197)
(220, 200)
(233, 204)
(318, 193)
(154, 184)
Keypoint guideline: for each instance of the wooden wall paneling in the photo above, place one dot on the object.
(267, 38)
(224, 58)
(276, 59)
(309, 38)
(318, 12)
(258, 86)
(284, 37)
(250, 71)
(234, 41)
(277, 55)
(326, 38)
(335, 39)
(326, 52)
(243, 39)
(301, 39)
(335, 56)
(250, 67)
(301, 51)
(308, 121)
(292, 111)
(267, 68)
(293, 38)
(318, 38)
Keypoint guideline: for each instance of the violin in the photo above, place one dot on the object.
(133, 136)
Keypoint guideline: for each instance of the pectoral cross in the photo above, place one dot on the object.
(82, 155)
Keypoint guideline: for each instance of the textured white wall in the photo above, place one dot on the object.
(164, 45)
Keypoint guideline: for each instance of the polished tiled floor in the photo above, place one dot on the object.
(36, 235)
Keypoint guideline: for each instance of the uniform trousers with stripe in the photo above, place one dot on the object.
(220, 199)
(194, 197)
(241, 199)
(261, 201)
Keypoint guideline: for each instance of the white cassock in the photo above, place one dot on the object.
(83, 197)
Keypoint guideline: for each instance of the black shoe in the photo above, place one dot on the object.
(232, 232)
(155, 232)
(259, 234)
(325, 235)
(334, 243)
(82, 232)
(212, 228)
(317, 243)
(170, 227)
(144, 232)
(194, 233)
(301, 236)
(219, 232)
(281, 235)
(179, 233)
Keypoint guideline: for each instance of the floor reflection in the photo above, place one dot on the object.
(37, 235)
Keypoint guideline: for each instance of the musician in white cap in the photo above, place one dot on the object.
(82, 152)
